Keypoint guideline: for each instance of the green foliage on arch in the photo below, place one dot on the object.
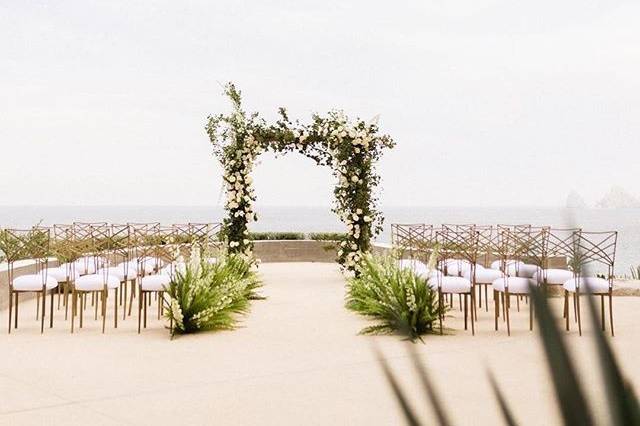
(350, 147)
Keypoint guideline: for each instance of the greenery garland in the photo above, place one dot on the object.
(351, 148)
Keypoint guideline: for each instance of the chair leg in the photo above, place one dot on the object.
(496, 303)
(104, 293)
(440, 306)
(44, 309)
(37, 306)
(504, 306)
(15, 322)
(480, 296)
(460, 301)
(139, 310)
(575, 308)
(507, 302)
(473, 304)
(611, 312)
(577, 297)
(602, 311)
(51, 309)
(124, 299)
(94, 302)
(530, 316)
(115, 308)
(83, 303)
(465, 311)
(73, 308)
(147, 299)
(10, 309)
(566, 309)
(59, 291)
(66, 302)
(133, 291)
(486, 297)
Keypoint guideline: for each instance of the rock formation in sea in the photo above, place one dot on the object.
(618, 198)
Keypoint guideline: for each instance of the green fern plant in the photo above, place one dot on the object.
(397, 298)
(210, 296)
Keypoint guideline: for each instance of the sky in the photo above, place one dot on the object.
(490, 102)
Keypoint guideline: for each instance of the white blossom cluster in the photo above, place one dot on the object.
(239, 188)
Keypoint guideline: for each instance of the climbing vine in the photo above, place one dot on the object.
(350, 148)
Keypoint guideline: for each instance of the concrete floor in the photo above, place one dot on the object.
(297, 359)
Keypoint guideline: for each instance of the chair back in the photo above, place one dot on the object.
(26, 244)
(594, 248)
(488, 240)
(411, 238)
(522, 244)
(561, 242)
(458, 243)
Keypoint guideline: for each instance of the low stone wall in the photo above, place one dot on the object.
(296, 251)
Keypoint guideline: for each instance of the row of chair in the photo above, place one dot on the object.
(96, 259)
(510, 259)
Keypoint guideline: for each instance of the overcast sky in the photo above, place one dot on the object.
(490, 102)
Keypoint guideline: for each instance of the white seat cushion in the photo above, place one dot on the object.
(461, 268)
(61, 273)
(485, 276)
(527, 270)
(497, 264)
(176, 267)
(553, 276)
(587, 284)
(96, 282)
(112, 271)
(80, 268)
(148, 265)
(156, 282)
(422, 270)
(33, 282)
(128, 270)
(516, 285)
(451, 284)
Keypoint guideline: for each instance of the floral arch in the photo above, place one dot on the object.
(350, 148)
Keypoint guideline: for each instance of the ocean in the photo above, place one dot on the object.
(319, 219)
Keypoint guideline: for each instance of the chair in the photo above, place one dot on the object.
(164, 246)
(32, 244)
(513, 266)
(141, 233)
(408, 237)
(591, 248)
(516, 246)
(484, 277)
(204, 236)
(454, 245)
(66, 249)
(560, 244)
(101, 245)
